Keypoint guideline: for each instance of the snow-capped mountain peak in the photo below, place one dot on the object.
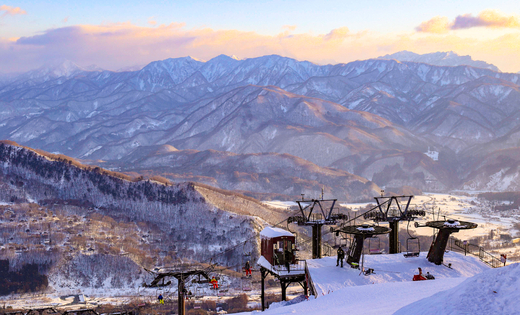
(446, 58)
(64, 68)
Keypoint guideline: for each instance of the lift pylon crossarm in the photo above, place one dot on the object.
(307, 209)
(324, 216)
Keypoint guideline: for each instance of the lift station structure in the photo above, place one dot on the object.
(316, 213)
(360, 232)
(446, 228)
(278, 258)
(393, 209)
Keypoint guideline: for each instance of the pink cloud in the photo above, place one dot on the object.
(11, 10)
(438, 24)
(114, 46)
(486, 18)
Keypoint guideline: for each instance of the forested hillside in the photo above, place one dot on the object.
(69, 210)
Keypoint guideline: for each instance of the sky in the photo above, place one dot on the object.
(114, 34)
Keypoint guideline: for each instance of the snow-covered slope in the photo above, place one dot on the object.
(491, 292)
(328, 278)
(391, 288)
(376, 299)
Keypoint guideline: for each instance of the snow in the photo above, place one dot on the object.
(434, 155)
(270, 232)
(280, 204)
(328, 278)
(492, 292)
(454, 224)
(378, 299)
(390, 289)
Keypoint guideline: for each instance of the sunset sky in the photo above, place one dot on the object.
(114, 34)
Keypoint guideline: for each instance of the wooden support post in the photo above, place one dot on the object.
(180, 296)
(305, 288)
(262, 296)
(284, 290)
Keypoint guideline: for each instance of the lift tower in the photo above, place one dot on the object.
(393, 209)
(316, 213)
(181, 273)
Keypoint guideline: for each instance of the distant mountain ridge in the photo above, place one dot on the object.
(448, 58)
(339, 116)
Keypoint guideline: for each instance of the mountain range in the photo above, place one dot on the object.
(275, 125)
(441, 58)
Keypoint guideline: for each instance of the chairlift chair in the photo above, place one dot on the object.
(409, 243)
(339, 241)
(199, 293)
(246, 285)
(375, 250)
(411, 253)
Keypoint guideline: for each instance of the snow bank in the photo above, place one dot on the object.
(494, 291)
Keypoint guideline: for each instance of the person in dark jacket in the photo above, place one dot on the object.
(341, 256)
(288, 259)
(161, 299)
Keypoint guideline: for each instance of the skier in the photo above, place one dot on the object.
(214, 282)
(419, 277)
(161, 299)
(341, 256)
(248, 269)
(429, 276)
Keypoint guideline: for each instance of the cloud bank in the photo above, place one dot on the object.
(114, 46)
(486, 18)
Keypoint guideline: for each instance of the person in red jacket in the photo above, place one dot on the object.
(419, 277)
(214, 282)
(247, 268)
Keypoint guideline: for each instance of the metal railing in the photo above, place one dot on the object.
(478, 251)
(310, 283)
(327, 250)
(298, 266)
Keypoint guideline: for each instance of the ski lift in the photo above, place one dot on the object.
(247, 258)
(199, 293)
(247, 285)
(413, 244)
(375, 250)
(339, 241)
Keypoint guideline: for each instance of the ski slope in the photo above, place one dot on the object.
(390, 289)
(328, 278)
